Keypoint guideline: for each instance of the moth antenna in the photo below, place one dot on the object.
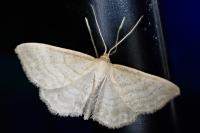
(92, 39)
(128, 33)
(117, 37)
(99, 29)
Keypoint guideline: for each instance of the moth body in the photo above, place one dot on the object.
(100, 76)
(103, 67)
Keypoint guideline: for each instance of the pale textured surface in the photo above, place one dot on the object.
(74, 84)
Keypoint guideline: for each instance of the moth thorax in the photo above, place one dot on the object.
(105, 57)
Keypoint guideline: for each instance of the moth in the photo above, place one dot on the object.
(76, 84)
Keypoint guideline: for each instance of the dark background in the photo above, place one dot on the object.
(61, 23)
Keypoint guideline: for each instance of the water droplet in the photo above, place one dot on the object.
(149, 23)
(155, 37)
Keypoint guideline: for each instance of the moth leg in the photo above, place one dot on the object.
(87, 108)
(92, 102)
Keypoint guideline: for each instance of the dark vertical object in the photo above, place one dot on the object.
(159, 33)
(165, 65)
(144, 50)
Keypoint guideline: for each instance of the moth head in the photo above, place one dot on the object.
(105, 57)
